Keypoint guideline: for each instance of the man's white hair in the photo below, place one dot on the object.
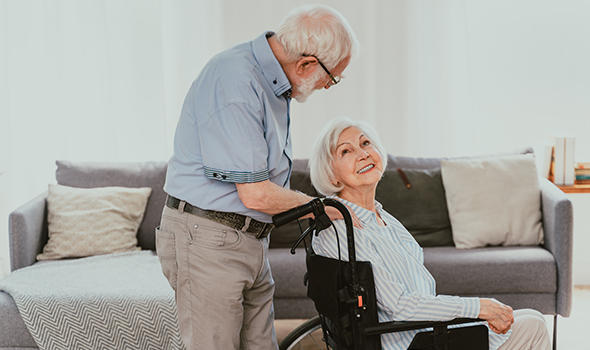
(320, 163)
(317, 30)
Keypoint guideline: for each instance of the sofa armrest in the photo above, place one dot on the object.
(27, 232)
(558, 230)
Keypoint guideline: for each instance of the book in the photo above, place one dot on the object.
(547, 162)
(569, 161)
(582, 172)
(582, 177)
(551, 175)
(559, 164)
(583, 165)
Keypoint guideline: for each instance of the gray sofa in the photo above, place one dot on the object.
(524, 277)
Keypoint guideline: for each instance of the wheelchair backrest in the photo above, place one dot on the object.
(343, 316)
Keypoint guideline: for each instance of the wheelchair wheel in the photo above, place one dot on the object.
(307, 336)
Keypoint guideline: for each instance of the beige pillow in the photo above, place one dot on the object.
(92, 221)
(493, 201)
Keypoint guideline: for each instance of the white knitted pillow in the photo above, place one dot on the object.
(92, 221)
(493, 201)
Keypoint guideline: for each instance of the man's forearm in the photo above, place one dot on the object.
(270, 198)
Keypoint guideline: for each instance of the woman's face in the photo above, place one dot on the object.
(356, 162)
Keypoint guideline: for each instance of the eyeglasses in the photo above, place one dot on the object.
(335, 80)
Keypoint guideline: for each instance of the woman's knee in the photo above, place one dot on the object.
(532, 323)
(529, 313)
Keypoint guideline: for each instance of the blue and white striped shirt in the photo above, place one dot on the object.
(406, 291)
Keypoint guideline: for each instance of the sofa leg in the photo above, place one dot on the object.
(555, 332)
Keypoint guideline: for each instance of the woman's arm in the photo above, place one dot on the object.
(397, 299)
(403, 304)
(393, 296)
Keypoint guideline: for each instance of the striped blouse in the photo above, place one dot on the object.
(405, 290)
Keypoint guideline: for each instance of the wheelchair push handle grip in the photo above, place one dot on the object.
(295, 213)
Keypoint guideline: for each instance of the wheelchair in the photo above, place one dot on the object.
(343, 293)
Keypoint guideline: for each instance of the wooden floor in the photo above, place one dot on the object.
(572, 332)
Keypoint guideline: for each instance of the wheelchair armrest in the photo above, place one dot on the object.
(400, 326)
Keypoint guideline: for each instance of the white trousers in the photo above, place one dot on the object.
(529, 332)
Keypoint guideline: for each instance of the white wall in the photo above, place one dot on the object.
(92, 80)
(452, 77)
(437, 77)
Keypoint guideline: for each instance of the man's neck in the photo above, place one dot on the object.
(279, 53)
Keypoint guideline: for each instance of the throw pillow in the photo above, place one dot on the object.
(91, 221)
(493, 201)
(421, 208)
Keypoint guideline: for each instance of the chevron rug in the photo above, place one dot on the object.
(115, 301)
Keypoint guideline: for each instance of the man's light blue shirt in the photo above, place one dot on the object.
(234, 128)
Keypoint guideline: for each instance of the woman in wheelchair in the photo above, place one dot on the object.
(347, 163)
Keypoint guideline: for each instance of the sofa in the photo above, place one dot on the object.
(538, 277)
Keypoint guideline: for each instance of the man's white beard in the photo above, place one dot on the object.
(308, 87)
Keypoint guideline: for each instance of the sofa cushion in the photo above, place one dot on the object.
(93, 221)
(493, 200)
(394, 162)
(13, 331)
(141, 174)
(491, 270)
(421, 208)
(472, 272)
(290, 270)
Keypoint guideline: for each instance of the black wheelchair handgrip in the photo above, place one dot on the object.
(295, 213)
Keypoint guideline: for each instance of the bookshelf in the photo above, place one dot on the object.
(575, 188)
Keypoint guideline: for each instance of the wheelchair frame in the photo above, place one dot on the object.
(344, 296)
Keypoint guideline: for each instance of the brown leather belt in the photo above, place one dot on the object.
(255, 228)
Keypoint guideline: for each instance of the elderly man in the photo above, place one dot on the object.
(230, 172)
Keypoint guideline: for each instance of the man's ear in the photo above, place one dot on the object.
(305, 66)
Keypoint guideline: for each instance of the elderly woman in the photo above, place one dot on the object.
(347, 164)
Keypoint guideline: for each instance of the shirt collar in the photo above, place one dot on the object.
(362, 213)
(271, 68)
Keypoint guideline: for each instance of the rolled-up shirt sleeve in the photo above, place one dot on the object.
(233, 144)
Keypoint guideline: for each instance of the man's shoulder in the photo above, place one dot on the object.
(236, 65)
(230, 76)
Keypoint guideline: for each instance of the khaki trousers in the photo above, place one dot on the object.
(529, 332)
(222, 282)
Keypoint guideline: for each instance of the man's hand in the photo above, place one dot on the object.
(334, 214)
(499, 316)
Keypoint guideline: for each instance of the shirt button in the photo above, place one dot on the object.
(274, 81)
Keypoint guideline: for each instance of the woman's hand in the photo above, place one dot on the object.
(499, 316)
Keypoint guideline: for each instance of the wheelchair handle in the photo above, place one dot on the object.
(297, 212)
(316, 206)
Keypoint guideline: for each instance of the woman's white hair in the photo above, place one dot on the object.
(317, 30)
(320, 163)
